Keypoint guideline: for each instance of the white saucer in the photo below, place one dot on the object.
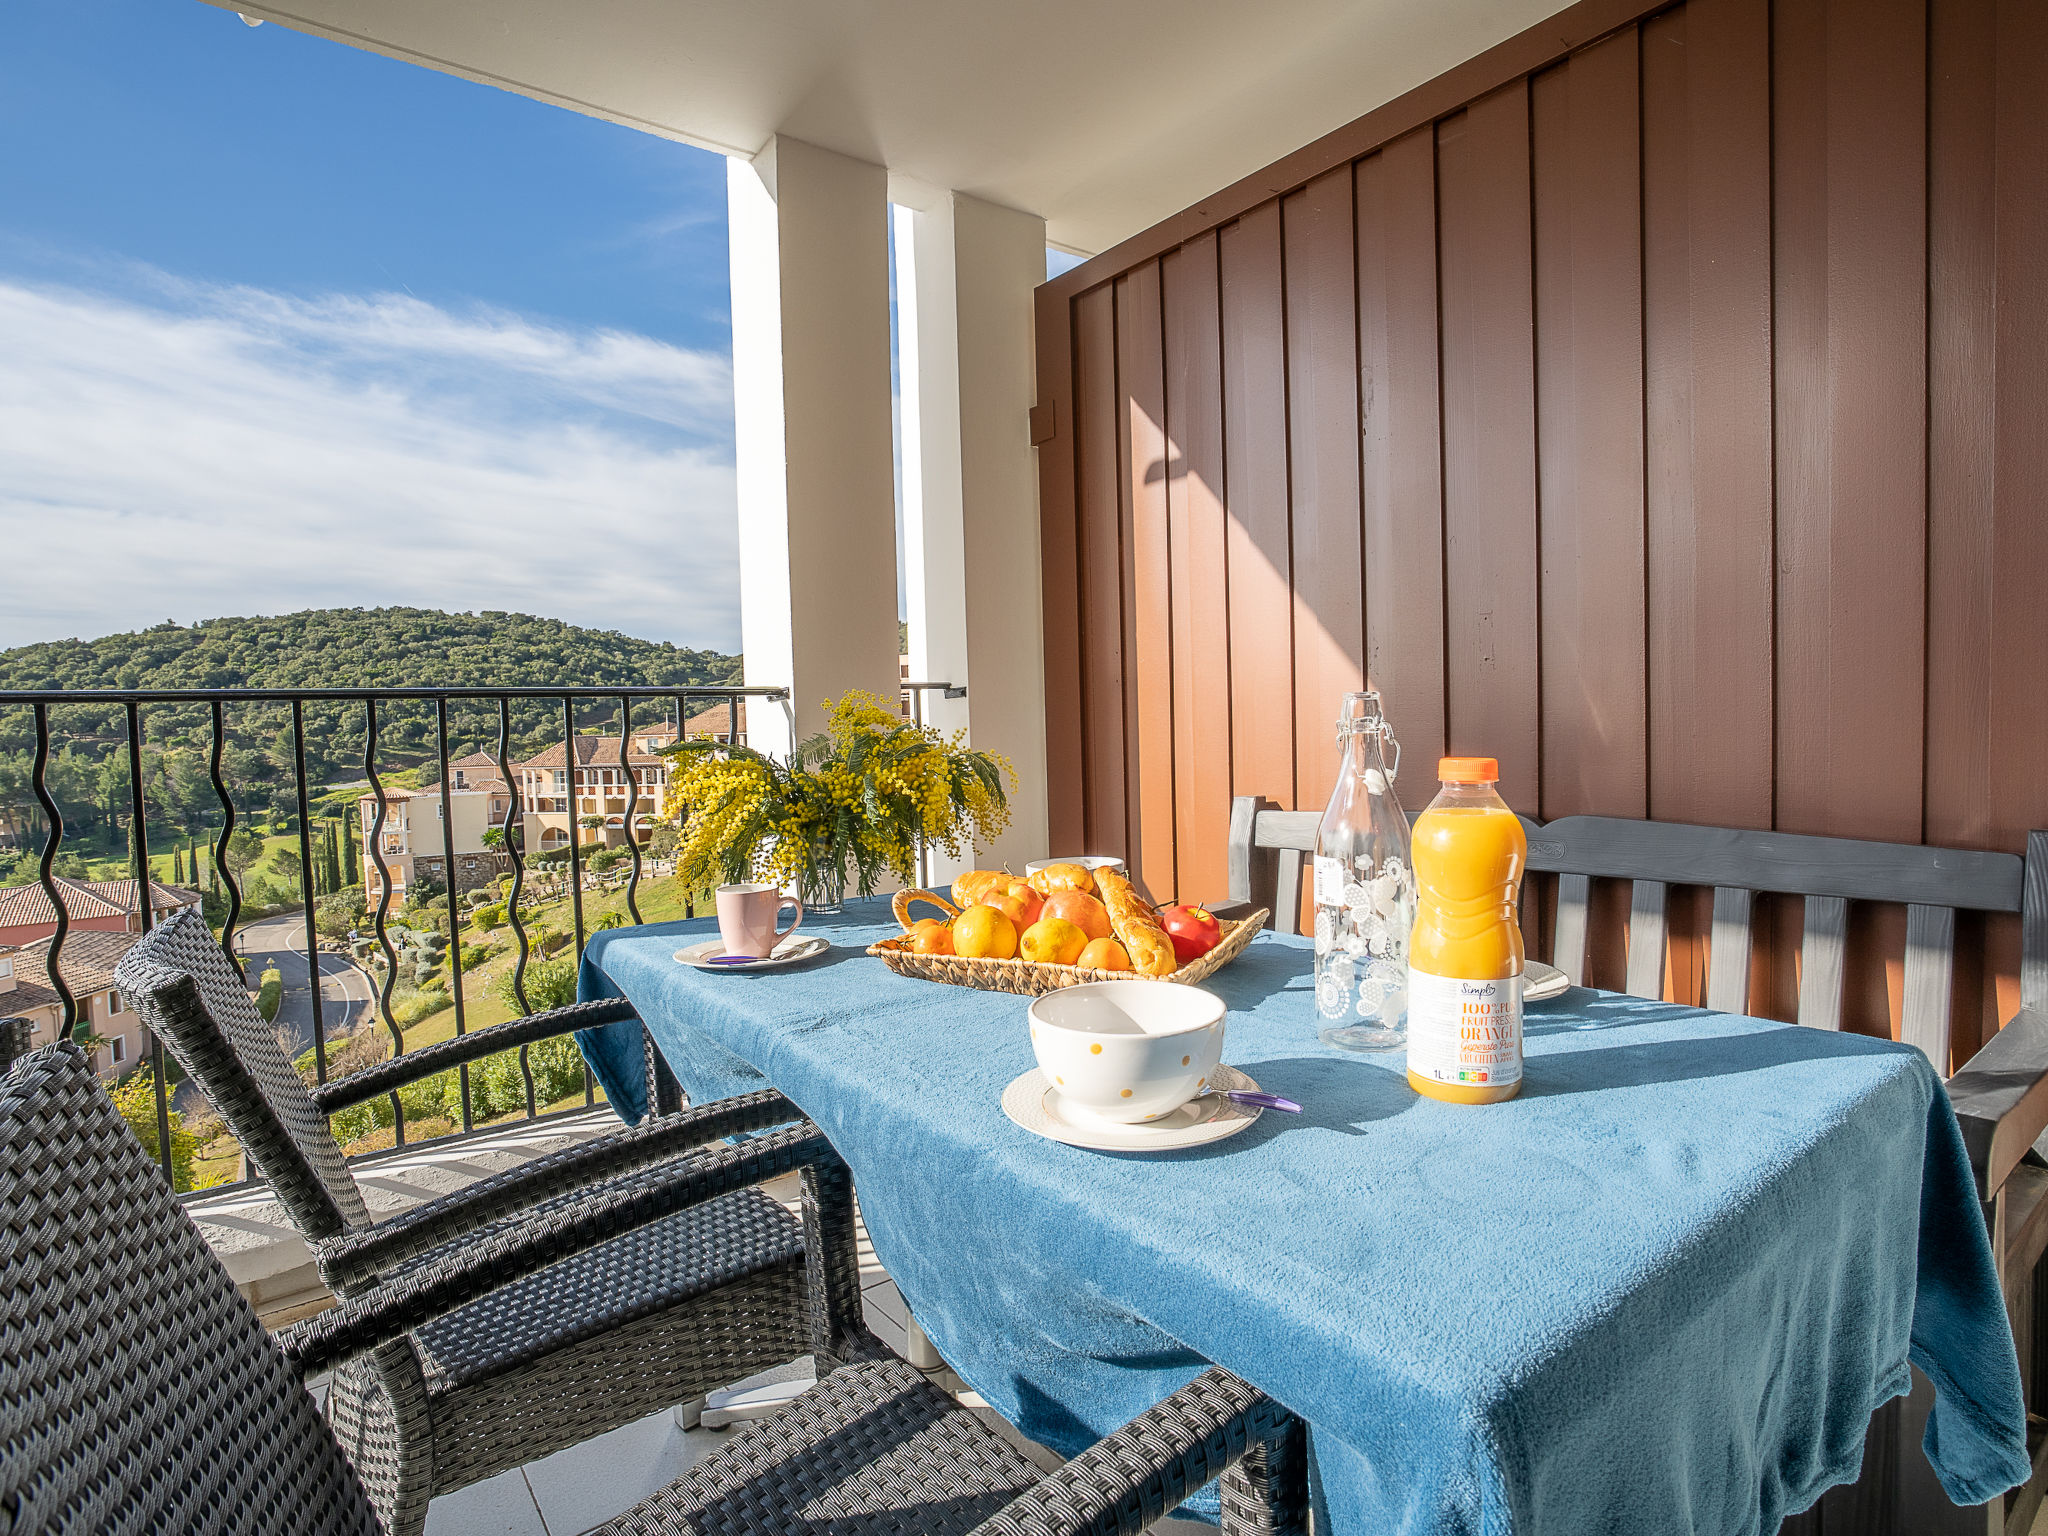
(1035, 1105)
(791, 951)
(1540, 981)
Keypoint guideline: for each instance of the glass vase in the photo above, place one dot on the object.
(1364, 889)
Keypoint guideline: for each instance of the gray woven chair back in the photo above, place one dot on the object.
(187, 991)
(17, 1038)
(138, 1392)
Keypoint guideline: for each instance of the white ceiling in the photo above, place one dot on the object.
(1104, 116)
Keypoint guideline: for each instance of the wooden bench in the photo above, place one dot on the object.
(2000, 1095)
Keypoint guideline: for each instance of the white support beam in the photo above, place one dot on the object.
(817, 520)
(964, 279)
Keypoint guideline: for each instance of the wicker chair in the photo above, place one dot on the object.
(138, 1392)
(658, 1317)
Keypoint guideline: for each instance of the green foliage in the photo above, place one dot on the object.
(602, 859)
(608, 920)
(269, 993)
(135, 1096)
(474, 955)
(338, 911)
(549, 984)
(484, 919)
(496, 1087)
(421, 1005)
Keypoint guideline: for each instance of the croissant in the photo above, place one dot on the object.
(1151, 951)
(1054, 878)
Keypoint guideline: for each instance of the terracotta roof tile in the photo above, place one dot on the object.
(23, 905)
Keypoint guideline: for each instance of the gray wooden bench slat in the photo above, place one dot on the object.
(1729, 950)
(1822, 950)
(1646, 929)
(1287, 892)
(1568, 946)
(1782, 861)
(1930, 967)
(2034, 926)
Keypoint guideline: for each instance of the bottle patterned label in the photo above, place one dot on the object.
(1467, 1033)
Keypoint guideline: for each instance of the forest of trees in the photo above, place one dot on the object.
(319, 648)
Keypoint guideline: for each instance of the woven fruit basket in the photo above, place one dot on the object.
(1029, 978)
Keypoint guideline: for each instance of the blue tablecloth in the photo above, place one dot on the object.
(1662, 1290)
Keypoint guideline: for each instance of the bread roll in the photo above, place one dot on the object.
(1151, 951)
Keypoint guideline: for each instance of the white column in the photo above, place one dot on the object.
(964, 279)
(817, 516)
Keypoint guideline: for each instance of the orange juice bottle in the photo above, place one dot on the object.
(1465, 955)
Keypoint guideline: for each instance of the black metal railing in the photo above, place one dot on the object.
(485, 715)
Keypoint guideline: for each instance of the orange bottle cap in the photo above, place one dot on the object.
(1468, 770)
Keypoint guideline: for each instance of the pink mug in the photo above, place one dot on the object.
(747, 916)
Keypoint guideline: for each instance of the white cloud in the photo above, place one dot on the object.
(187, 451)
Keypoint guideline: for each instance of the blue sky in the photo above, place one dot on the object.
(292, 325)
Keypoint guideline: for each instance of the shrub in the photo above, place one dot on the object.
(484, 919)
(422, 1005)
(474, 955)
(269, 993)
(605, 858)
(479, 897)
(549, 984)
(135, 1096)
(338, 911)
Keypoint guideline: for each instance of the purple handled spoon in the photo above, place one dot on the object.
(1259, 1100)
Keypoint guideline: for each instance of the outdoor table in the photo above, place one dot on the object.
(1661, 1290)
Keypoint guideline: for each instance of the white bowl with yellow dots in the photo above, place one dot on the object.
(1126, 1052)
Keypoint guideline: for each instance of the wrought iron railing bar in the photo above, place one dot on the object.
(313, 979)
(682, 724)
(225, 875)
(632, 808)
(575, 880)
(454, 916)
(145, 907)
(383, 906)
(595, 693)
(518, 881)
(510, 827)
(53, 839)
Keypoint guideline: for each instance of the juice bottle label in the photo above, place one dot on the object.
(1468, 1033)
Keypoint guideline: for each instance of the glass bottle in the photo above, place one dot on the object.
(1364, 890)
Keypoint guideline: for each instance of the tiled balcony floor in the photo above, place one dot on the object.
(567, 1493)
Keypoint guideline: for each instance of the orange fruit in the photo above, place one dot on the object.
(930, 936)
(1054, 878)
(1105, 955)
(984, 933)
(1080, 909)
(1053, 941)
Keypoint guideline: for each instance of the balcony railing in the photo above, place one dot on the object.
(489, 714)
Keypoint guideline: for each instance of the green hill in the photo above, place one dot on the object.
(318, 648)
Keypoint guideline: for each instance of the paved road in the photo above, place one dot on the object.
(345, 993)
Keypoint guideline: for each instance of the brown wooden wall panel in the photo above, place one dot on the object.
(1323, 446)
(1148, 610)
(1849, 152)
(1402, 490)
(1201, 597)
(1706, 137)
(1589, 430)
(1261, 564)
(1485, 263)
(1100, 545)
(1659, 413)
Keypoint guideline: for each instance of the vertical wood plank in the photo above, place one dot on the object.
(1402, 475)
(1822, 948)
(1099, 492)
(1646, 939)
(1148, 622)
(1707, 362)
(1484, 261)
(1201, 638)
(1850, 203)
(1060, 574)
(1568, 952)
(1930, 971)
(1589, 426)
(1728, 951)
(1323, 452)
(1255, 471)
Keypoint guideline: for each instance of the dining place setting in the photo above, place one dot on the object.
(1472, 1223)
